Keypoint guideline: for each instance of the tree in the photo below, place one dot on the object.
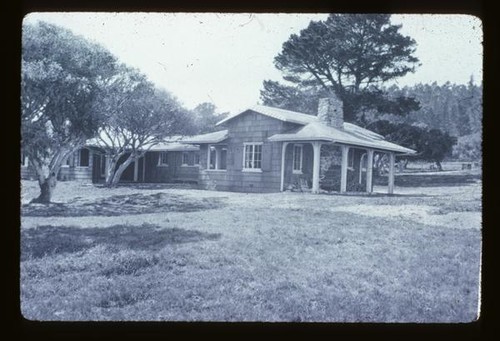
(61, 77)
(348, 54)
(469, 147)
(138, 117)
(206, 116)
(431, 144)
(295, 98)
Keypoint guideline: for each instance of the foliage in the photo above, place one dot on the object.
(468, 147)
(453, 108)
(348, 54)
(61, 77)
(431, 144)
(206, 116)
(138, 117)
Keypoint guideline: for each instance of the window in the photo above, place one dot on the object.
(297, 158)
(197, 158)
(83, 160)
(212, 157)
(185, 158)
(253, 156)
(217, 156)
(163, 160)
(223, 158)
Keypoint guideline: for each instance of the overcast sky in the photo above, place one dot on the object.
(224, 58)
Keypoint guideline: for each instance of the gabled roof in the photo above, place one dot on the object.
(279, 114)
(214, 137)
(314, 129)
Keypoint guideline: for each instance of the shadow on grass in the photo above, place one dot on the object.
(123, 205)
(147, 185)
(50, 240)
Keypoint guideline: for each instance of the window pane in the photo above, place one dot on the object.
(163, 158)
(185, 158)
(248, 156)
(257, 156)
(223, 159)
(212, 158)
(197, 158)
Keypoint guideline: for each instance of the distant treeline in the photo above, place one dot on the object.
(452, 108)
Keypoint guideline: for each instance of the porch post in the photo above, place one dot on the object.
(390, 187)
(283, 150)
(136, 170)
(208, 157)
(369, 171)
(316, 165)
(343, 169)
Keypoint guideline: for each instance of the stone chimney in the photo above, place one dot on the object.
(331, 112)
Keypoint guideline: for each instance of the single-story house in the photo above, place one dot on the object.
(165, 162)
(266, 149)
(261, 149)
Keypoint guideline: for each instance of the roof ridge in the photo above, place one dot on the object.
(285, 110)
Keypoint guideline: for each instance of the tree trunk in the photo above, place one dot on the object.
(46, 189)
(111, 169)
(120, 170)
(439, 166)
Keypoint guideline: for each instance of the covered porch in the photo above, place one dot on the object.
(331, 166)
(317, 153)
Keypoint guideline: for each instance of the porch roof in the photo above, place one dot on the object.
(214, 137)
(351, 135)
(173, 147)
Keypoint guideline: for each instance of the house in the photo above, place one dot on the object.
(267, 149)
(165, 162)
(262, 149)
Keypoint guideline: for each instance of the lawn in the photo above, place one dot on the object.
(162, 253)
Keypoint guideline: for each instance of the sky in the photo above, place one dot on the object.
(223, 58)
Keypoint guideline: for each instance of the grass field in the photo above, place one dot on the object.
(159, 253)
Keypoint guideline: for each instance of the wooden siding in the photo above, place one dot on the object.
(247, 128)
(66, 173)
(27, 173)
(174, 171)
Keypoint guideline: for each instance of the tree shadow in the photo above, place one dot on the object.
(51, 240)
(118, 205)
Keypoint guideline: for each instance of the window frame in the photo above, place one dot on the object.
(196, 158)
(160, 159)
(217, 149)
(185, 157)
(222, 149)
(301, 160)
(252, 161)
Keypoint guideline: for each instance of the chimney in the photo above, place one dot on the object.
(331, 112)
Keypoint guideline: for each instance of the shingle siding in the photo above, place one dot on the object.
(247, 128)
